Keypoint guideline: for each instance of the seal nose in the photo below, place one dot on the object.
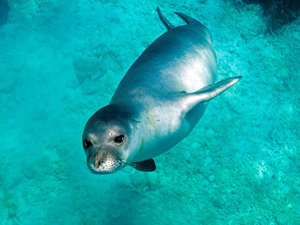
(95, 160)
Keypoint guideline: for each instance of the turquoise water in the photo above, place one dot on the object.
(60, 61)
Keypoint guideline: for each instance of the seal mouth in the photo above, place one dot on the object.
(106, 168)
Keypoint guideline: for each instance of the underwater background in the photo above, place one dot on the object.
(60, 61)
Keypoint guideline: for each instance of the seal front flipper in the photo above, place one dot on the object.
(209, 92)
(145, 166)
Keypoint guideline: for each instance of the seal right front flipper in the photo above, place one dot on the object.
(145, 166)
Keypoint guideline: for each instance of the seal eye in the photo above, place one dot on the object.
(119, 139)
(87, 144)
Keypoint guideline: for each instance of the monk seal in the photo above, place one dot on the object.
(158, 102)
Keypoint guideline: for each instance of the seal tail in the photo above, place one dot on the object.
(163, 19)
(186, 18)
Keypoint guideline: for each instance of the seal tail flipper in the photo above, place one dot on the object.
(145, 166)
(209, 92)
(186, 18)
(163, 19)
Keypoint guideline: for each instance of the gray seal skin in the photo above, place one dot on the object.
(158, 102)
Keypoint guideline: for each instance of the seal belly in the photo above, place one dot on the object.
(165, 128)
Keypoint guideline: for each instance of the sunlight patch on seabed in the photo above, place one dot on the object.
(261, 168)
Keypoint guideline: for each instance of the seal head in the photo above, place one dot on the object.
(106, 139)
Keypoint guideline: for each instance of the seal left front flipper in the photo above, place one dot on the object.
(145, 166)
(208, 93)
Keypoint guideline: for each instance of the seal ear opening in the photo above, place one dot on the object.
(145, 166)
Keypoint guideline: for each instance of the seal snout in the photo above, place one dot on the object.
(93, 163)
(96, 159)
(102, 162)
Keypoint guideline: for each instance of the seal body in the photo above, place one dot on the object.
(166, 91)
(181, 60)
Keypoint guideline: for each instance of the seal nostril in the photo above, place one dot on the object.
(97, 163)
